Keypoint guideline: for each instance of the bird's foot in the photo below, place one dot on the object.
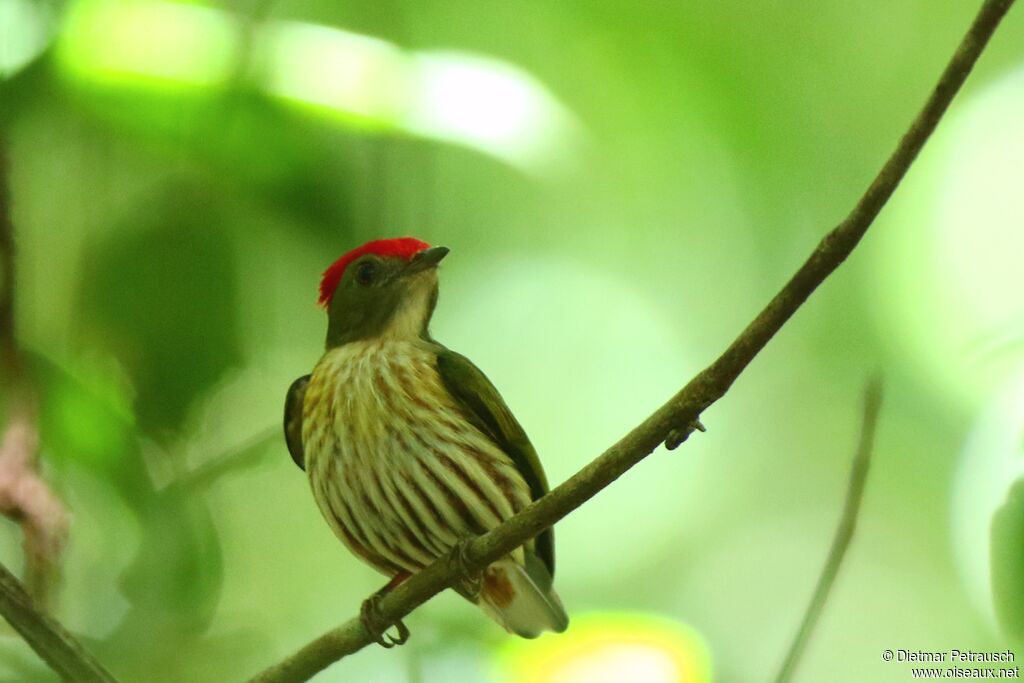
(375, 623)
(471, 575)
(681, 434)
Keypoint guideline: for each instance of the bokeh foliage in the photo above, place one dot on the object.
(621, 184)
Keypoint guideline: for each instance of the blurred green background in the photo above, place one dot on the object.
(622, 185)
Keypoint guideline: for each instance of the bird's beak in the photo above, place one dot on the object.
(425, 260)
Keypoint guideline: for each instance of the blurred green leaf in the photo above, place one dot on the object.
(250, 146)
(84, 420)
(175, 580)
(163, 290)
(1008, 563)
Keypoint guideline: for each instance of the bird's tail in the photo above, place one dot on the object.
(521, 599)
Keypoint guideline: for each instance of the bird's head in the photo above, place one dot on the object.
(385, 288)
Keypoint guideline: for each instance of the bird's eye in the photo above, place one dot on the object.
(365, 272)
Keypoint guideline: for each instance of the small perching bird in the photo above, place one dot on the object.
(409, 448)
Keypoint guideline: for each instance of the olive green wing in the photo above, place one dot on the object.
(487, 411)
(293, 420)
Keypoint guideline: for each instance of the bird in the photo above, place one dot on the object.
(408, 447)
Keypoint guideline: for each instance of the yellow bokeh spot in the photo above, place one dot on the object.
(156, 42)
(610, 647)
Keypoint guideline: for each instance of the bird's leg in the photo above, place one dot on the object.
(681, 434)
(375, 624)
(471, 576)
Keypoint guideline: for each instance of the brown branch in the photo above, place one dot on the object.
(670, 422)
(58, 648)
(844, 532)
(25, 497)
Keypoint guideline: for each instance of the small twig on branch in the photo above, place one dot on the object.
(670, 423)
(25, 496)
(844, 533)
(58, 648)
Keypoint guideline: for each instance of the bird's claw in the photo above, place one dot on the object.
(471, 576)
(680, 434)
(377, 626)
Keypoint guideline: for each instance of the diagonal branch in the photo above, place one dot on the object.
(844, 532)
(58, 648)
(670, 421)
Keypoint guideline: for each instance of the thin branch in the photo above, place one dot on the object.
(58, 648)
(671, 420)
(844, 533)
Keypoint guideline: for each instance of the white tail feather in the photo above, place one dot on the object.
(514, 599)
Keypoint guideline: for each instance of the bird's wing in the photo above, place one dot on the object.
(293, 420)
(487, 411)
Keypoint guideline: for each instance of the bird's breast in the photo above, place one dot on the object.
(364, 390)
(394, 464)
